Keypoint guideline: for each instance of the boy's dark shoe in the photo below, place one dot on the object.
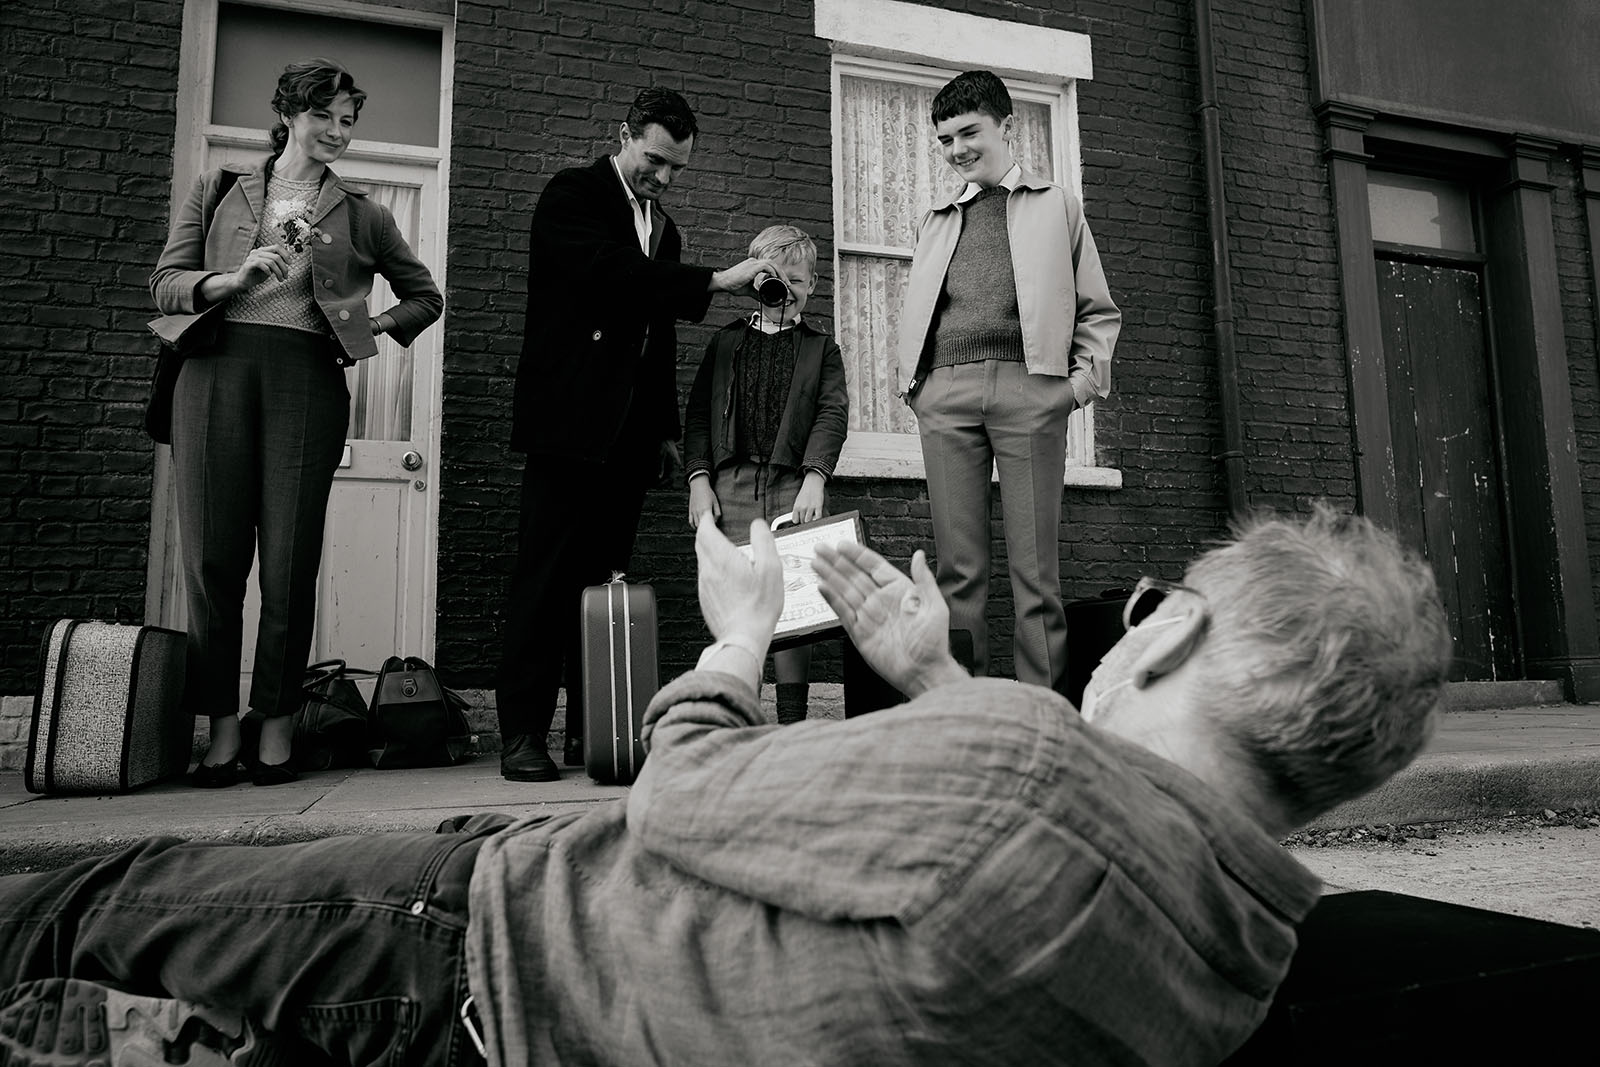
(68, 1022)
(524, 759)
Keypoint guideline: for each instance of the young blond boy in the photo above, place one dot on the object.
(765, 423)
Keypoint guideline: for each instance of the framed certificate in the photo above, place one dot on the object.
(806, 616)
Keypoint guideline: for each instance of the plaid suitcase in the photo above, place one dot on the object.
(619, 677)
(107, 716)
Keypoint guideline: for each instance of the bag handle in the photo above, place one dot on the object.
(324, 670)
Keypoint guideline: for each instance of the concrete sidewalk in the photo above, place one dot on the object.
(1481, 763)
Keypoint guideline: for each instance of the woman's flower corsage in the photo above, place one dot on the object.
(298, 232)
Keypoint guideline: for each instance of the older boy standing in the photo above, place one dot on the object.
(1008, 327)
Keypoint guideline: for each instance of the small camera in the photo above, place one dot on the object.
(772, 290)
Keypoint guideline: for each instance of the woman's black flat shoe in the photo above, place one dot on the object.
(273, 773)
(220, 776)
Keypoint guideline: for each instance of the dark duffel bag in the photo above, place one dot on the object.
(414, 721)
(330, 727)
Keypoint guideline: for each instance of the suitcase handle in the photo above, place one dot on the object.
(783, 520)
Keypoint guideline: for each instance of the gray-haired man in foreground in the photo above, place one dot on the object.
(981, 875)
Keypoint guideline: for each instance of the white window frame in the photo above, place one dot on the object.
(914, 44)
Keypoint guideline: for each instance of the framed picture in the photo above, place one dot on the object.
(806, 616)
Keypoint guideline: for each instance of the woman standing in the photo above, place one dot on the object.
(279, 260)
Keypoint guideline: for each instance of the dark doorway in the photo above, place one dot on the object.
(1446, 452)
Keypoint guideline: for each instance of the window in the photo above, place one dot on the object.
(1424, 212)
(888, 172)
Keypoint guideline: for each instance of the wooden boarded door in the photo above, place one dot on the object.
(1446, 455)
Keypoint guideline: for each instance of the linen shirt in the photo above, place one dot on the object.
(973, 877)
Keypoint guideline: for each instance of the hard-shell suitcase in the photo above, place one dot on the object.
(619, 677)
(108, 713)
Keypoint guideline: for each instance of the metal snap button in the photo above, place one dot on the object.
(327, 238)
(418, 908)
(327, 283)
(595, 336)
(344, 314)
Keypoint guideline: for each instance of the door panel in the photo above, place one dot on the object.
(1445, 455)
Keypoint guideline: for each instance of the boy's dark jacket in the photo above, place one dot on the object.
(815, 419)
(599, 336)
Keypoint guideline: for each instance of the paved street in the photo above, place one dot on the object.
(1523, 866)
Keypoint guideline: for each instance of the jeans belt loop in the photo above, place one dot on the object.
(469, 1019)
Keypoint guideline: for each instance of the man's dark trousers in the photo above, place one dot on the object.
(578, 524)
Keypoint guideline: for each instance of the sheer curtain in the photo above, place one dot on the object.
(891, 173)
(380, 387)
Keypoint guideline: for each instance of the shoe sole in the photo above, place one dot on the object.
(531, 776)
(67, 1022)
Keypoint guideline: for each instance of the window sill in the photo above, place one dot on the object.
(898, 456)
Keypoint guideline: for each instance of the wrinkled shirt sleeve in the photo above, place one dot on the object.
(855, 820)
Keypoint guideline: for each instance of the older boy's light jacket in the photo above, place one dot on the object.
(356, 238)
(1069, 324)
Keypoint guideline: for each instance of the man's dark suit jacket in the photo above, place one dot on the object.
(591, 294)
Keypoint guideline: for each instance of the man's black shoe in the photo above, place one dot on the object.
(572, 752)
(524, 759)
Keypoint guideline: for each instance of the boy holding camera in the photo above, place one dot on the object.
(766, 419)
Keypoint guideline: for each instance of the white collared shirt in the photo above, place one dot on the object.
(641, 211)
(1013, 176)
(760, 322)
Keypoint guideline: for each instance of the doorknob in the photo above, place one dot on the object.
(411, 461)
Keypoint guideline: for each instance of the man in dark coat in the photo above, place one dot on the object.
(596, 404)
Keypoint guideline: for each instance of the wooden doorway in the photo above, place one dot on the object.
(1445, 430)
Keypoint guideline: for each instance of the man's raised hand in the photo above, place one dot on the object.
(900, 625)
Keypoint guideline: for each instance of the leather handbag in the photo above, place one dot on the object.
(414, 721)
(181, 336)
(330, 727)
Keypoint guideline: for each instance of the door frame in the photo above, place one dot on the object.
(1512, 174)
(193, 136)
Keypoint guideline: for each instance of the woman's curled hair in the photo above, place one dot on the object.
(311, 84)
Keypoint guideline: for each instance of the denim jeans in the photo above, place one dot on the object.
(353, 944)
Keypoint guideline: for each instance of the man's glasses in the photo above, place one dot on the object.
(1147, 596)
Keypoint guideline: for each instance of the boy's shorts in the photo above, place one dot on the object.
(747, 492)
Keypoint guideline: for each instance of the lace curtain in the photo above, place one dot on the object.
(380, 387)
(891, 172)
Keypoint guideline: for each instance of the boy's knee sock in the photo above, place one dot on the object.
(791, 702)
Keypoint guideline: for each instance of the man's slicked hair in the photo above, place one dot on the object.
(974, 90)
(1326, 657)
(666, 109)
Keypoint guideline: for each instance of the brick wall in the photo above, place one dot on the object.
(87, 113)
(759, 81)
(86, 117)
